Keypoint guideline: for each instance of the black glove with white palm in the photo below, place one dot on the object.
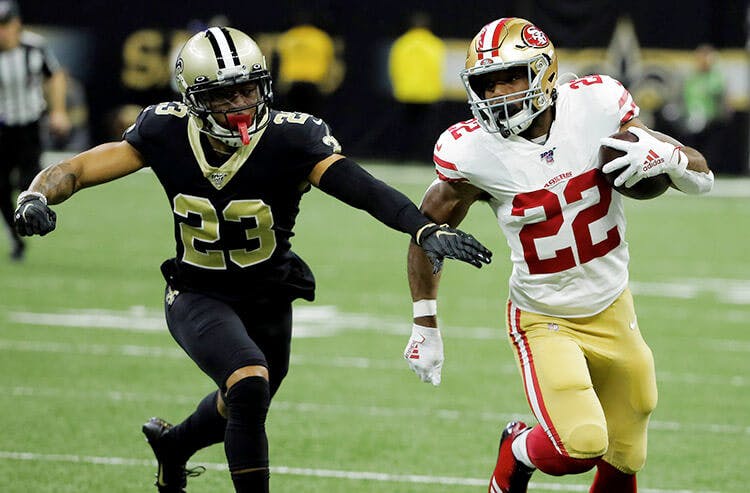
(32, 216)
(441, 241)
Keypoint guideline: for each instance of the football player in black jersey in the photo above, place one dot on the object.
(234, 171)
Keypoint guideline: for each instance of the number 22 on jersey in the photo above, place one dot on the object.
(553, 222)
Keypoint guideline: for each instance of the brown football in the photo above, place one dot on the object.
(646, 188)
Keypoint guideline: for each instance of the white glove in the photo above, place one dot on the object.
(424, 353)
(643, 159)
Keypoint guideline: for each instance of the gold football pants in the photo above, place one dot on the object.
(590, 382)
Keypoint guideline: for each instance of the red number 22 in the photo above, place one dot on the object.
(587, 250)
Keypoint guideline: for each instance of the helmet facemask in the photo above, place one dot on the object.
(211, 88)
(220, 97)
(512, 113)
(516, 45)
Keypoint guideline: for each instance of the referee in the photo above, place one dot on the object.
(31, 81)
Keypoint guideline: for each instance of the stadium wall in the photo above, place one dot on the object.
(120, 52)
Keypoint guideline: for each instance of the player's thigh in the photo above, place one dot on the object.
(628, 397)
(624, 377)
(212, 334)
(269, 323)
(622, 365)
(558, 385)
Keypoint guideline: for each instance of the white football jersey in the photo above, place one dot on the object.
(564, 223)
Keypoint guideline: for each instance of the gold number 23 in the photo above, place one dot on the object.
(260, 237)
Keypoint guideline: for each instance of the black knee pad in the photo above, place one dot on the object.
(248, 400)
(245, 441)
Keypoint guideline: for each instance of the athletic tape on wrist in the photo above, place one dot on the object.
(27, 193)
(425, 308)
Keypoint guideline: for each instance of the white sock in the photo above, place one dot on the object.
(518, 447)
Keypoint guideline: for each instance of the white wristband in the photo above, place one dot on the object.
(694, 182)
(28, 193)
(425, 308)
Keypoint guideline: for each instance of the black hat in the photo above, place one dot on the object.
(8, 10)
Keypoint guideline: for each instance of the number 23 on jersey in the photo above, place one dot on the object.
(259, 241)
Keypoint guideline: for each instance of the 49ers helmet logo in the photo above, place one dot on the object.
(534, 37)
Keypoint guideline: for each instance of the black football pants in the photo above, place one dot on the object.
(221, 337)
(20, 150)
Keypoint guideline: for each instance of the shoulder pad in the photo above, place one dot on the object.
(454, 145)
(605, 92)
(154, 118)
(302, 130)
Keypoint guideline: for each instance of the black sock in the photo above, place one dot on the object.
(245, 442)
(199, 430)
(252, 481)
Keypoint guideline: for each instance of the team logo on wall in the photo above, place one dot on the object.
(534, 37)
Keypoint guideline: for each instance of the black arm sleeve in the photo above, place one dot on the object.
(351, 184)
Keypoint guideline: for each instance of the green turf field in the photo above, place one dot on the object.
(85, 357)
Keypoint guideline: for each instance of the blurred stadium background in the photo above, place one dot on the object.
(85, 357)
(120, 53)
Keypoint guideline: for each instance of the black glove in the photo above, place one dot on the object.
(440, 242)
(32, 216)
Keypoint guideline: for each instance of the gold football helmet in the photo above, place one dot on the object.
(503, 44)
(222, 71)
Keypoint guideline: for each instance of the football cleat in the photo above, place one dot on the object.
(510, 475)
(171, 475)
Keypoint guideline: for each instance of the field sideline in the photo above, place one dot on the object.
(85, 357)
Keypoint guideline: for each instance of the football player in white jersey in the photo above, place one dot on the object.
(531, 154)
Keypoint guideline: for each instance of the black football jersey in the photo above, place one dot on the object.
(233, 220)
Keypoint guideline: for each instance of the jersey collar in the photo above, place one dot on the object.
(219, 177)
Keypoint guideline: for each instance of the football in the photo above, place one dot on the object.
(646, 188)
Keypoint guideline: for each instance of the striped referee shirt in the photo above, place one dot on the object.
(23, 71)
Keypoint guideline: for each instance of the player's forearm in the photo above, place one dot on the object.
(423, 284)
(351, 184)
(57, 182)
(697, 177)
(696, 161)
(56, 91)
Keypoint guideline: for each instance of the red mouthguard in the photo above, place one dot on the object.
(240, 122)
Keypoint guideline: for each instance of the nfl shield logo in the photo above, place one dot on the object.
(548, 156)
(217, 179)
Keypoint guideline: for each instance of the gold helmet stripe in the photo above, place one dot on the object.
(223, 45)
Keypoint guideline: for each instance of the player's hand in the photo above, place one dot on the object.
(440, 242)
(643, 159)
(32, 216)
(424, 353)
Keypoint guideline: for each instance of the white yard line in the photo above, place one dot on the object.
(310, 472)
(394, 363)
(349, 409)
